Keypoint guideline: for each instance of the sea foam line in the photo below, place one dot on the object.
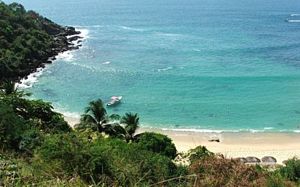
(32, 78)
(266, 129)
(228, 131)
(293, 15)
(293, 21)
(165, 69)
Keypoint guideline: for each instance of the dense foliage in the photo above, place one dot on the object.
(39, 148)
(27, 40)
(157, 143)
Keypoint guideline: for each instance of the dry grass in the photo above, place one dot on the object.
(221, 172)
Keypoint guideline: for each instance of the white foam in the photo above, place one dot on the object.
(131, 28)
(293, 15)
(194, 130)
(197, 50)
(68, 56)
(65, 56)
(87, 26)
(268, 128)
(165, 69)
(293, 21)
(107, 62)
(167, 34)
(30, 80)
(84, 33)
(83, 66)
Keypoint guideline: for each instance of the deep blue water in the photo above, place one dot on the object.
(190, 64)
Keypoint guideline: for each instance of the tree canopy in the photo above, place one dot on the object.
(27, 40)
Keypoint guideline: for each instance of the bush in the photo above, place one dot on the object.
(218, 171)
(16, 133)
(74, 156)
(199, 153)
(30, 140)
(291, 170)
(40, 114)
(104, 161)
(9, 172)
(132, 166)
(157, 143)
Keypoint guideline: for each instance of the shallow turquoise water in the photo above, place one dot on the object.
(195, 64)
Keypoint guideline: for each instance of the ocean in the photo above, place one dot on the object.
(194, 65)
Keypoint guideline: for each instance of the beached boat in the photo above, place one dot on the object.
(114, 100)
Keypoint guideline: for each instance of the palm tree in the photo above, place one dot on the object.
(95, 115)
(126, 132)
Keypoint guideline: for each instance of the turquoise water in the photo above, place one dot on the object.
(185, 64)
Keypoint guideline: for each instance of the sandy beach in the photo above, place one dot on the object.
(282, 146)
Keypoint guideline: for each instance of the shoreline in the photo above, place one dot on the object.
(281, 145)
(70, 39)
(74, 43)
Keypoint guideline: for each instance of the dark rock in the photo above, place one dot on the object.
(74, 38)
(71, 31)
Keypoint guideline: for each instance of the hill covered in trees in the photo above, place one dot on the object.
(28, 40)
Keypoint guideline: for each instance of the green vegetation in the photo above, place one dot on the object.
(157, 143)
(27, 40)
(39, 148)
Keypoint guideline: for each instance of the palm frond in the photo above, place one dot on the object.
(131, 122)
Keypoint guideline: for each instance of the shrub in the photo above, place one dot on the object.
(40, 114)
(30, 140)
(157, 143)
(199, 153)
(291, 170)
(218, 171)
(74, 156)
(11, 127)
(104, 160)
(132, 166)
(16, 133)
(9, 174)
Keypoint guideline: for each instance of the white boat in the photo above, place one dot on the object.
(114, 100)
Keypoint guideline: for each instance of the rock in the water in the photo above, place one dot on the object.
(74, 38)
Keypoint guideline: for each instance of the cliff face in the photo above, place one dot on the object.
(28, 40)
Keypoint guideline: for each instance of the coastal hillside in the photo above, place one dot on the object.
(28, 40)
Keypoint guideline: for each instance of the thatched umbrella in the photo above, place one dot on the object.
(241, 159)
(269, 160)
(252, 160)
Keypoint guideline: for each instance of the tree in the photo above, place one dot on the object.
(8, 88)
(127, 132)
(157, 143)
(95, 117)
